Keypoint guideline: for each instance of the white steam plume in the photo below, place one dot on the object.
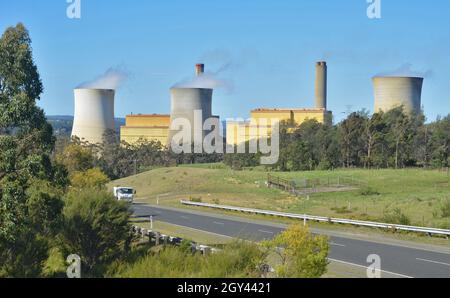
(208, 80)
(405, 70)
(225, 64)
(113, 78)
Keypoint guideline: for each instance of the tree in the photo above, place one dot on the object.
(352, 139)
(302, 255)
(76, 158)
(374, 133)
(92, 178)
(441, 142)
(96, 227)
(399, 136)
(29, 182)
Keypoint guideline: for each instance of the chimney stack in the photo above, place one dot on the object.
(200, 69)
(321, 85)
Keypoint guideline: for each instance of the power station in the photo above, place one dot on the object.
(242, 131)
(392, 92)
(184, 103)
(94, 114)
(94, 110)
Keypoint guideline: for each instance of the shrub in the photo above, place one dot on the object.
(237, 259)
(396, 216)
(195, 199)
(92, 178)
(302, 254)
(341, 210)
(445, 208)
(96, 227)
(369, 191)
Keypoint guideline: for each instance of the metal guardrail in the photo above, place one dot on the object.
(429, 231)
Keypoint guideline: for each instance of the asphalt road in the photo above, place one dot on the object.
(396, 260)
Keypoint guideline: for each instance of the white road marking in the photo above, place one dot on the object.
(185, 217)
(266, 232)
(219, 223)
(430, 261)
(337, 244)
(361, 266)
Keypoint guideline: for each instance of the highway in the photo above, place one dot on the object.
(396, 260)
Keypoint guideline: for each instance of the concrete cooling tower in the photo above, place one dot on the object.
(184, 101)
(94, 114)
(392, 92)
(321, 85)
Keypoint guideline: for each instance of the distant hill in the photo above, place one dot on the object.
(62, 125)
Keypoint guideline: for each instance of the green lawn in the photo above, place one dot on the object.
(419, 194)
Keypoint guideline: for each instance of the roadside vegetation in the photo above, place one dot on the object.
(295, 253)
(421, 195)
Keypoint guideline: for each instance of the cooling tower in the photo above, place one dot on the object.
(184, 101)
(392, 92)
(94, 114)
(321, 85)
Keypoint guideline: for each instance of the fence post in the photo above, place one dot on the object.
(157, 236)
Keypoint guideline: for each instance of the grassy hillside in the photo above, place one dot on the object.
(419, 194)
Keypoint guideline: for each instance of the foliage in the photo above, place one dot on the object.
(302, 255)
(238, 259)
(91, 179)
(445, 208)
(76, 158)
(30, 185)
(369, 191)
(195, 199)
(396, 216)
(96, 227)
(382, 140)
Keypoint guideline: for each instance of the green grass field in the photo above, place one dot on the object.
(419, 194)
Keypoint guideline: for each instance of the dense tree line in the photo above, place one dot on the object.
(383, 140)
(120, 159)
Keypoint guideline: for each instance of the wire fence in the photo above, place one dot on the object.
(304, 186)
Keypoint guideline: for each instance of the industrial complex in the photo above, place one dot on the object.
(94, 111)
(242, 131)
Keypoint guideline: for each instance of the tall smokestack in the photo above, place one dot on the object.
(200, 69)
(321, 85)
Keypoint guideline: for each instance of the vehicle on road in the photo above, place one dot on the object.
(124, 193)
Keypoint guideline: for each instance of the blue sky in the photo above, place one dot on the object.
(270, 47)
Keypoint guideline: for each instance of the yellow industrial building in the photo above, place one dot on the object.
(243, 131)
(140, 128)
(157, 127)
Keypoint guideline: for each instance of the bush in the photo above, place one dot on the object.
(369, 191)
(76, 158)
(341, 210)
(235, 260)
(396, 216)
(92, 178)
(445, 208)
(96, 227)
(195, 199)
(302, 254)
